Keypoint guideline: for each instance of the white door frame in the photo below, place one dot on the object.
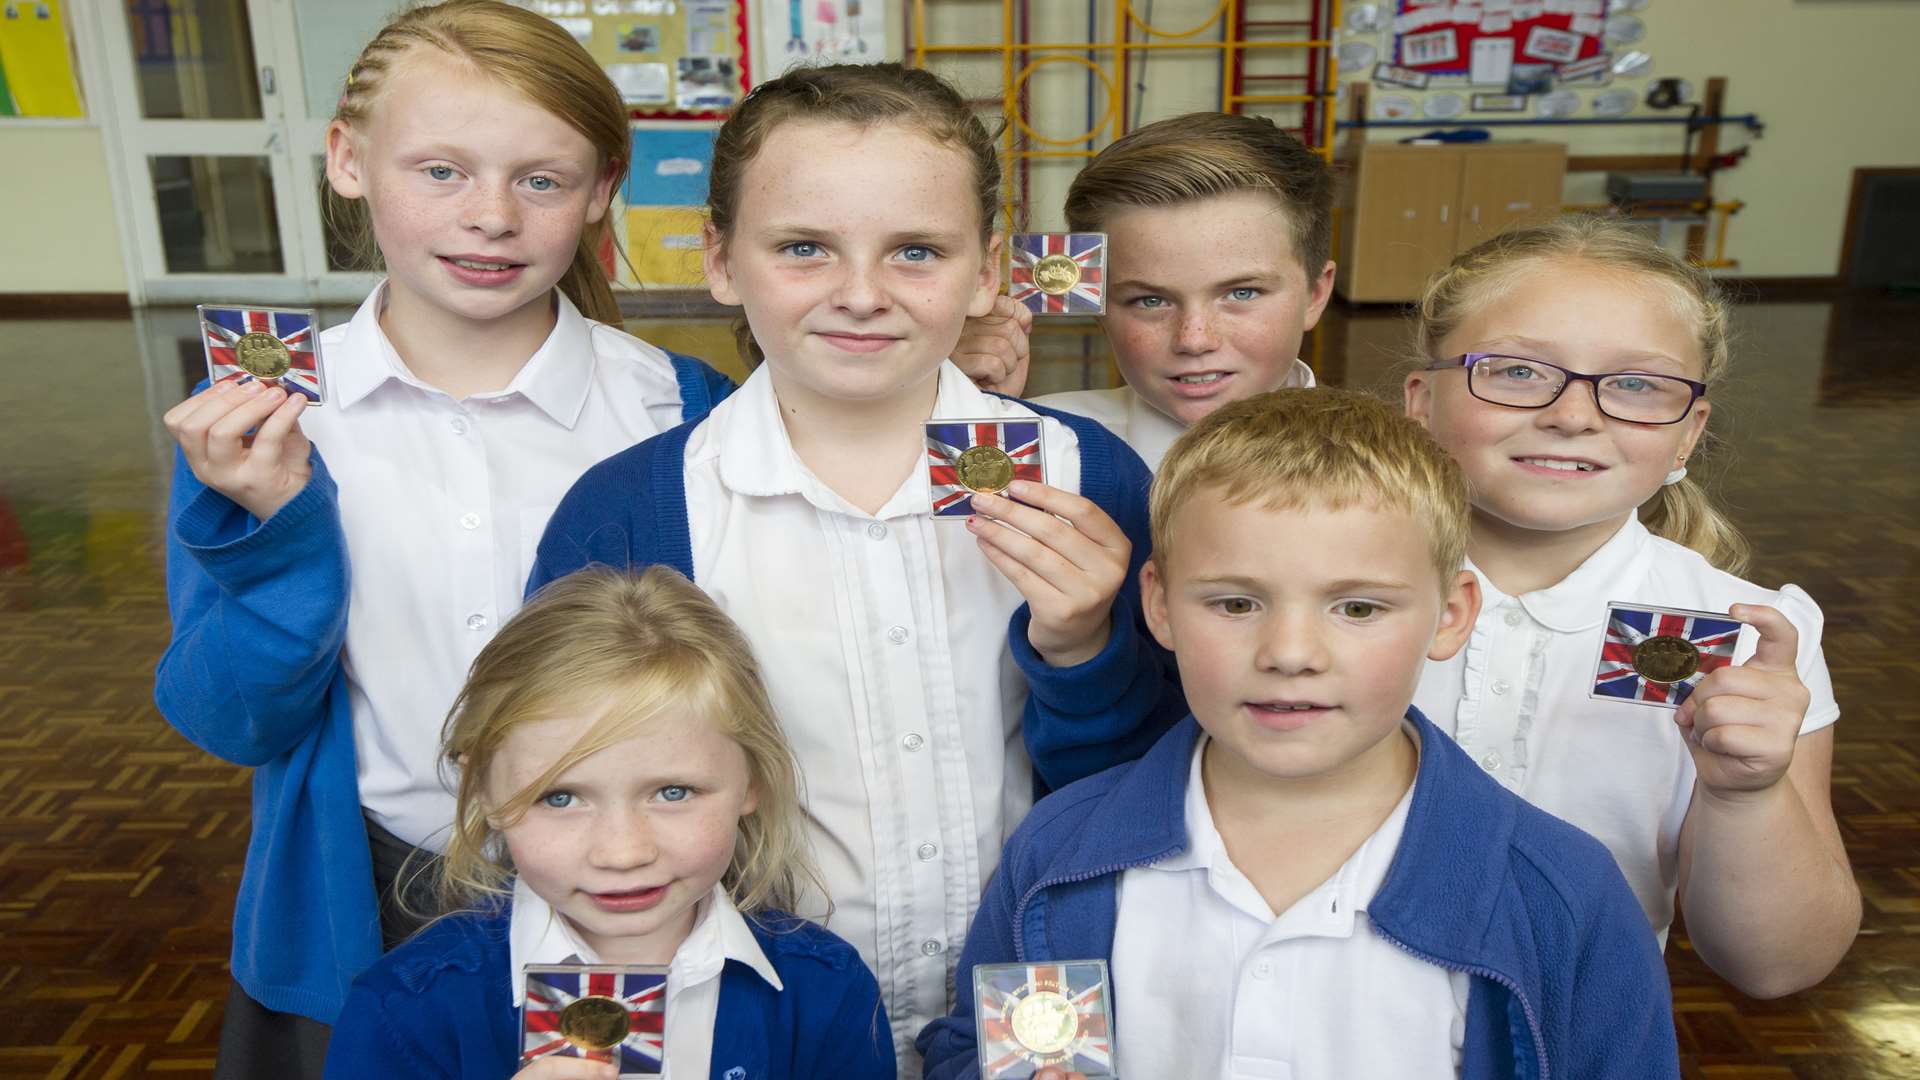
(283, 135)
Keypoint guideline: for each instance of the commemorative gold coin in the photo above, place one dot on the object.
(1056, 274)
(1666, 659)
(594, 1023)
(984, 468)
(262, 355)
(1044, 1022)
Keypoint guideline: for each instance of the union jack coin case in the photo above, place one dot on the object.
(1035, 1015)
(1058, 273)
(1658, 656)
(604, 1012)
(279, 346)
(969, 456)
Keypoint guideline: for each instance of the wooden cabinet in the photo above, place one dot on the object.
(1407, 210)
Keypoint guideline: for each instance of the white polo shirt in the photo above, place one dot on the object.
(1516, 698)
(1148, 430)
(443, 502)
(883, 642)
(1208, 981)
(536, 935)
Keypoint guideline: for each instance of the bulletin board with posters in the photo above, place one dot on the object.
(1490, 39)
(670, 59)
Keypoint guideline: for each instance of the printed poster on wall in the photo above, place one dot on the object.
(1488, 40)
(665, 191)
(670, 59)
(850, 31)
(37, 60)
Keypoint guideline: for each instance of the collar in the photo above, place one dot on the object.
(556, 378)
(1578, 601)
(1328, 909)
(538, 935)
(757, 457)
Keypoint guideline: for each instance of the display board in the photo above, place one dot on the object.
(36, 61)
(670, 59)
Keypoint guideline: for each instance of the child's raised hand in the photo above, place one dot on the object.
(261, 472)
(1069, 564)
(1741, 723)
(993, 348)
(554, 1067)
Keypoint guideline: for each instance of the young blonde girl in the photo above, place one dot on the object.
(852, 218)
(1570, 369)
(625, 796)
(481, 144)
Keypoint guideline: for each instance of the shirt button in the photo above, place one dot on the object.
(469, 521)
(927, 851)
(1491, 762)
(1514, 618)
(476, 622)
(876, 530)
(1501, 686)
(912, 740)
(459, 426)
(1263, 970)
(897, 635)
(930, 947)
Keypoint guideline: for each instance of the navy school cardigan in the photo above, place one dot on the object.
(1567, 979)
(441, 1006)
(253, 675)
(631, 511)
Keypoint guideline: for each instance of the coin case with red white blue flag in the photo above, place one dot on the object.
(1658, 656)
(235, 338)
(568, 1007)
(1031, 1016)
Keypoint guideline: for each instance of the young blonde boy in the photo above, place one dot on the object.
(1306, 878)
(1219, 229)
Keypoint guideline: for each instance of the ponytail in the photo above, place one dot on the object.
(1684, 514)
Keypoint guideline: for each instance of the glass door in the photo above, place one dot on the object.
(219, 150)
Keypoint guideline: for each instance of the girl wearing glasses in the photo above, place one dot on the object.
(1568, 368)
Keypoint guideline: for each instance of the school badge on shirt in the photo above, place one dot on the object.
(1058, 273)
(1034, 1015)
(969, 456)
(1657, 656)
(605, 1012)
(278, 346)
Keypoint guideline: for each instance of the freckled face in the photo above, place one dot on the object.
(478, 196)
(1208, 303)
(625, 843)
(856, 253)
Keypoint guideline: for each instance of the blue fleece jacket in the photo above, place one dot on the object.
(631, 511)
(1566, 978)
(253, 675)
(441, 1005)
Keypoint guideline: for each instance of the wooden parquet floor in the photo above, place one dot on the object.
(120, 844)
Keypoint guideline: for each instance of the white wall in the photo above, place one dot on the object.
(59, 233)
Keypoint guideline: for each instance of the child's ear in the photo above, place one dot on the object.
(1457, 613)
(343, 161)
(989, 284)
(1319, 292)
(602, 202)
(713, 260)
(1153, 602)
(1419, 397)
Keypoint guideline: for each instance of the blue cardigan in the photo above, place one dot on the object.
(441, 1005)
(631, 511)
(1566, 978)
(253, 676)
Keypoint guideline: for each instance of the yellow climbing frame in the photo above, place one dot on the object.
(1020, 59)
